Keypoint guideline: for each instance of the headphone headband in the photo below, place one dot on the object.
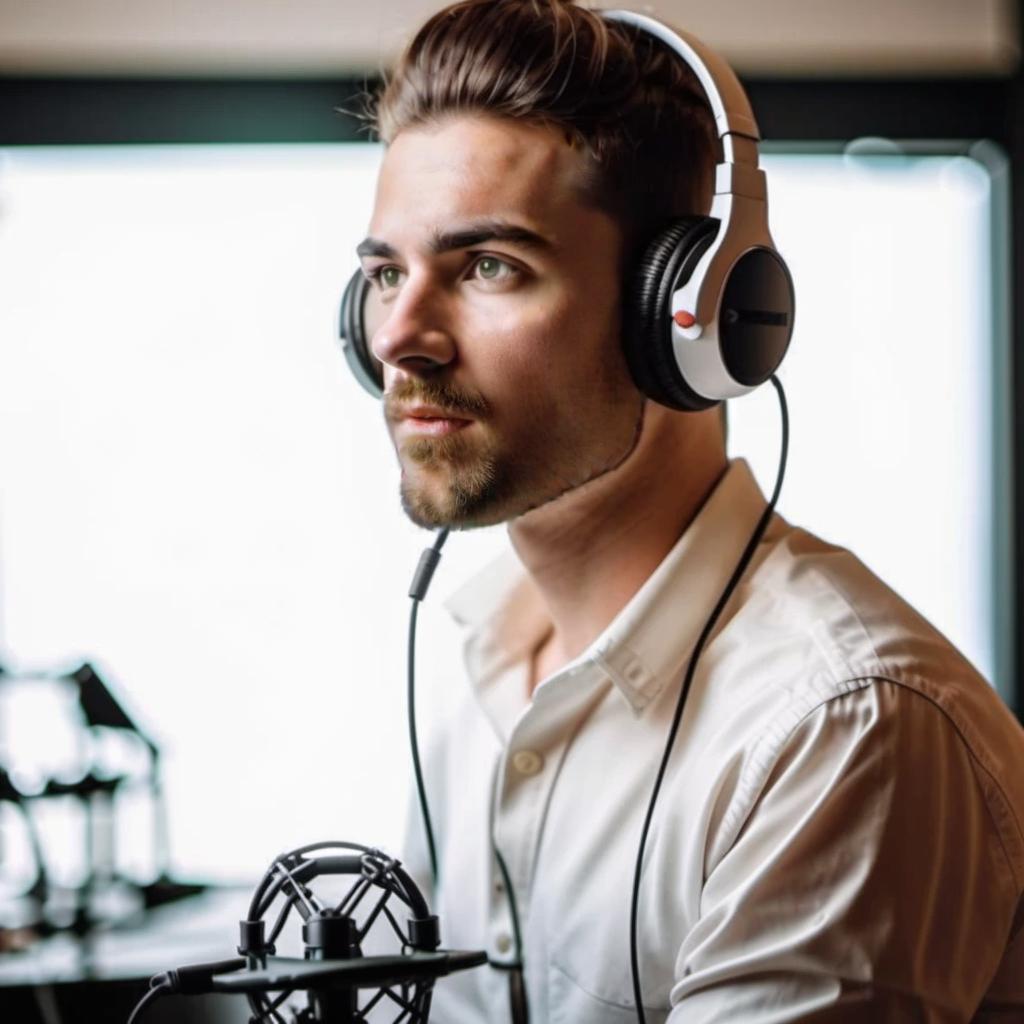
(726, 97)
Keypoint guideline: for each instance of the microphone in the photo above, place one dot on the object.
(340, 984)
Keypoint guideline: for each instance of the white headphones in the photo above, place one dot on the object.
(708, 313)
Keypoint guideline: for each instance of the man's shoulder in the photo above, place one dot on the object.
(821, 595)
(827, 632)
(833, 624)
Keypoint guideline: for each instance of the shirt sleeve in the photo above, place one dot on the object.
(868, 882)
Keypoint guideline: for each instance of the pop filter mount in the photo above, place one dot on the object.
(341, 984)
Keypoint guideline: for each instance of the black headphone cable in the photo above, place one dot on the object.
(153, 993)
(417, 591)
(741, 568)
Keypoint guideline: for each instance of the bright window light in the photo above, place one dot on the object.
(195, 494)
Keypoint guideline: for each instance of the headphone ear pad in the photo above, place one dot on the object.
(352, 334)
(665, 266)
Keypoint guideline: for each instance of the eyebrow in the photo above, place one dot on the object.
(472, 234)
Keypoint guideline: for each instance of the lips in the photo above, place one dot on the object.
(431, 420)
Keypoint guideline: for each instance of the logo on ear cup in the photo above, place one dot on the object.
(755, 321)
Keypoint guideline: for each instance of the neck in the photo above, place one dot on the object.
(592, 549)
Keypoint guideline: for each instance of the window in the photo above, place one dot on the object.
(195, 494)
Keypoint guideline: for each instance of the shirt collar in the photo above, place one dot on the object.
(647, 643)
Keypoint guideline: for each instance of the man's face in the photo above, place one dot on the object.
(495, 311)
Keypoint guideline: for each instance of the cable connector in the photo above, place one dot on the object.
(195, 978)
(425, 570)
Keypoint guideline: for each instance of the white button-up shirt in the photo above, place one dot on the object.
(838, 837)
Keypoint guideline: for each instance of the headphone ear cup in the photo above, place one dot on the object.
(666, 264)
(755, 324)
(353, 334)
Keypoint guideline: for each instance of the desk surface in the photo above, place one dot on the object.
(191, 930)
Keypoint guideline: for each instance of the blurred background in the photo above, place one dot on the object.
(203, 564)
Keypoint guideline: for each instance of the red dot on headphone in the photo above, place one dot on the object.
(684, 319)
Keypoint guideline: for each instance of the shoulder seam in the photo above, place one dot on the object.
(766, 753)
(1016, 864)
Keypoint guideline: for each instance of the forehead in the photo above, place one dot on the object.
(472, 167)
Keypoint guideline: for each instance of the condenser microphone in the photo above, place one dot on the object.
(340, 984)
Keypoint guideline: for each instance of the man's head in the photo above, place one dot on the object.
(533, 149)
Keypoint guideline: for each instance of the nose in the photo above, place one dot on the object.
(410, 333)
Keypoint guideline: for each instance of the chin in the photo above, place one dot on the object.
(446, 506)
(435, 515)
(458, 492)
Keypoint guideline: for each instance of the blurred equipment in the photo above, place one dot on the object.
(71, 782)
(341, 984)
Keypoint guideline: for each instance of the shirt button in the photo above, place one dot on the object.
(527, 762)
(503, 943)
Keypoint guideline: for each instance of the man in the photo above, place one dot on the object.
(839, 832)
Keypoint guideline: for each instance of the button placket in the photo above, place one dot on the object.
(533, 753)
(527, 762)
(520, 805)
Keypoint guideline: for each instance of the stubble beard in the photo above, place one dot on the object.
(482, 486)
(471, 481)
(452, 480)
(469, 490)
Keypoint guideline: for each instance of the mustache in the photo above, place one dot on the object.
(443, 394)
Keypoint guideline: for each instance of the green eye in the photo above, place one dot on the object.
(489, 268)
(389, 276)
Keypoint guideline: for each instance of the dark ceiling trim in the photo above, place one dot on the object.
(901, 109)
(99, 111)
(96, 111)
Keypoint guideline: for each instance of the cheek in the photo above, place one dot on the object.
(538, 348)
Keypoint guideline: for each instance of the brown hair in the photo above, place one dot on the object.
(633, 106)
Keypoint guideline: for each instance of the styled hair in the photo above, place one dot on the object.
(633, 107)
